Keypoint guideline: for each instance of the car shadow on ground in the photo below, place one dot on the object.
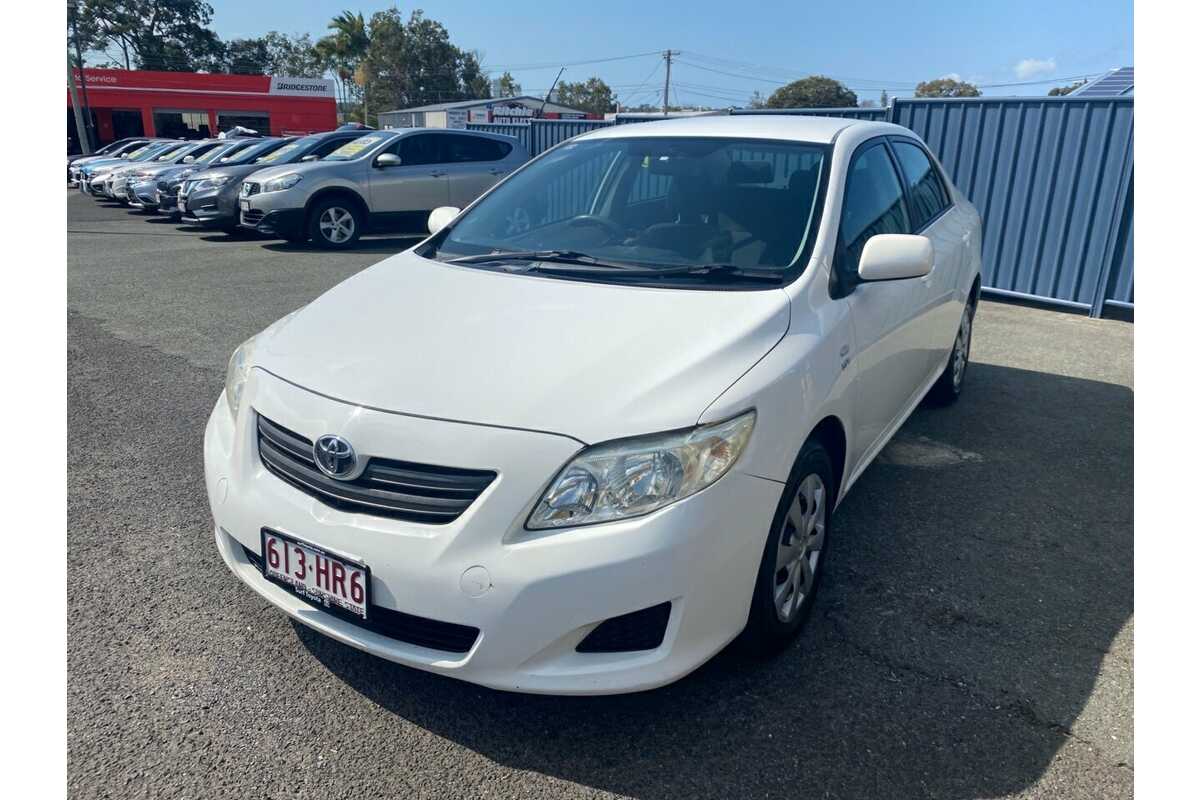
(370, 244)
(980, 571)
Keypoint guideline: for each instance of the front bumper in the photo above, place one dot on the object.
(215, 207)
(546, 591)
(286, 223)
(144, 194)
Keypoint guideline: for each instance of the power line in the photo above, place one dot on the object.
(556, 64)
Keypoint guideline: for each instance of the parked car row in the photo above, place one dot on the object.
(329, 188)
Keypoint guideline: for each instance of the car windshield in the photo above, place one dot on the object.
(211, 155)
(248, 153)
(171, 152)
(149, 151)
(281, 156)
(669, 203)
(354, 148)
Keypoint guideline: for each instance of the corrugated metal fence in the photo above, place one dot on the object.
(1051, 176)
(1053, 179)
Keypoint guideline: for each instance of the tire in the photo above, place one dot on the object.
(950, 383)
(335, 224)
(789, 575)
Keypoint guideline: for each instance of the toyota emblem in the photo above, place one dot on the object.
(336, 457)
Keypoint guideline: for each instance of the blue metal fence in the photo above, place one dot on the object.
(1052, 178)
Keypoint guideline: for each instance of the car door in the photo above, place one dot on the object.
(931, 216)
(401, 194)
(889, 352)
(473, 165)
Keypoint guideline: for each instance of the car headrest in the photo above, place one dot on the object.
(742, 172)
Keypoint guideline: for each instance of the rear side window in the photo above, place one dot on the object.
(926, 194)
(421, 148)
(874, 202)
(461, 149)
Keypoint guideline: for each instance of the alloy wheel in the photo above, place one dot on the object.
(800, 544)
(337, 224)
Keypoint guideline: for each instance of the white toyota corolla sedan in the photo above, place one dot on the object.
(596, 426)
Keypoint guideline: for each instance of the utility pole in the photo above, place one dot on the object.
(80, 130)
(667, 54)
(542, 110)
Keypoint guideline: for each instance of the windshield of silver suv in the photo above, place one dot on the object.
(632, 208)
(353, 149)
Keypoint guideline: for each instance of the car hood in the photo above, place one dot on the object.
(304, 168)
(103, 162)
(588, 360)
(229, 171)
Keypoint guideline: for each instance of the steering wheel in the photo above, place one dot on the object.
(613, 229)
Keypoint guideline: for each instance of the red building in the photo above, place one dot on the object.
(195, 105)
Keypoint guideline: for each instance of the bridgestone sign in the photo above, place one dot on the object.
(301, 87)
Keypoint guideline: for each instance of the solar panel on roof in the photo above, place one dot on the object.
(1116, 82)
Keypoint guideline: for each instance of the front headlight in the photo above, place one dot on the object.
(213, 183)
(632, 477)
(237, 373)
(281, 183)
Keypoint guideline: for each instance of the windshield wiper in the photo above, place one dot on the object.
(553, 256)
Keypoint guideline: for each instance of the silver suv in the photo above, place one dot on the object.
(384, 181)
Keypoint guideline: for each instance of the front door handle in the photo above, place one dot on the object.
(437, 173)
(497, 171)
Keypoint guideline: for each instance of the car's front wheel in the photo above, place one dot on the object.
(791, 563)
(335, 224)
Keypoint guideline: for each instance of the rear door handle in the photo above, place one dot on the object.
(497, 171)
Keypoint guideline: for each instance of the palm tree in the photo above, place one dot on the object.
(346, 48)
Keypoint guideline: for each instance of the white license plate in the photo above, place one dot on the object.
(315, 573)
(245, 205)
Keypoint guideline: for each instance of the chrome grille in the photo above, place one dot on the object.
(386, 488)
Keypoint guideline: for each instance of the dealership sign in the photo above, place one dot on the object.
(301, 87)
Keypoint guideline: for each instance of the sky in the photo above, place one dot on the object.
(730, 49)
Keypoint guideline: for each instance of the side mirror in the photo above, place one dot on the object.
(311, 157)
(441, 217)
(188, 159)
(387, 160)
(895, 256)
(124, 155)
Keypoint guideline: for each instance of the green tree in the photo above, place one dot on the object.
(414, 63)
(946, 87)
(1059, 91)
(509, 86)
(815, 91)
(248, 56)
(295, 56)
(151, 34)
(593, 95)
(342, 53)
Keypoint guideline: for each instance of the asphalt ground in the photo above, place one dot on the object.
(973, 637)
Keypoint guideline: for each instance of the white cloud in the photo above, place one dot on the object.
(1028, 68)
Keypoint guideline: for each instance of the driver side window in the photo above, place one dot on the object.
(421, 148)
(873, 204)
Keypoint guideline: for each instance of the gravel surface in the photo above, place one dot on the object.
(973, 638)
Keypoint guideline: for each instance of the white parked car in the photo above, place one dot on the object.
(596, 427)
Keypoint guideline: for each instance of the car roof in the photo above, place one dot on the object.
(819, 130)
(460, 131)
